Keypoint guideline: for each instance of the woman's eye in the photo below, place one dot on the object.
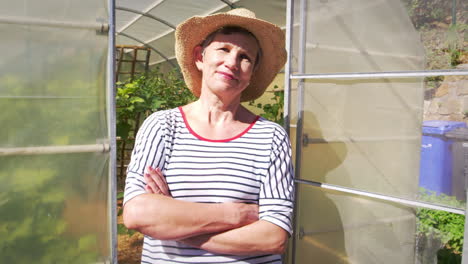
(224, 49)
(245, 57)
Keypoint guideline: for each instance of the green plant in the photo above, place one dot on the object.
(53, 207)
(273, 112)
(433, 81)
(121, 228)
(32, 222)
(148, 93)
(455, 39)
(446, 227)
(455, 56)
(137, 99)
(424, 12)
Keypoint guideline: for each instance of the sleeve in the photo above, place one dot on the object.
(148, 150)
(276, 202)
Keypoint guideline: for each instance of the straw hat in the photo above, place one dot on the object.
(194, 30)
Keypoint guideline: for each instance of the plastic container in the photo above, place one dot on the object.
(460, 162)
(436, 156)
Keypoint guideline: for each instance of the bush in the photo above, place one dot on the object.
(137, 99)
(273, 112)
(424, 12)
(445, 227)
(148, 93)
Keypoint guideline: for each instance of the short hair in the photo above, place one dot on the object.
(228, 30)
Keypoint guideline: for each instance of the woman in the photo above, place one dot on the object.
(210, 182)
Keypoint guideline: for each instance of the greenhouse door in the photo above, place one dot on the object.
(57, 135)
(355, 84)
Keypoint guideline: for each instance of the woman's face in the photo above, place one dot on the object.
(227, 64)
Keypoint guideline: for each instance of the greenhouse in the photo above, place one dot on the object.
(374, 97)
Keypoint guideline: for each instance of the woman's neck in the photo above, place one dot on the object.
(215, 110)
(217, 120)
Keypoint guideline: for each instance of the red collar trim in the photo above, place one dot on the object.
(215, 140)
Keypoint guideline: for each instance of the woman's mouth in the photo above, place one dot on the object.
(226, 75)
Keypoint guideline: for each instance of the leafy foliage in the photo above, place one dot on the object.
(423, 12)
(42, 197)
(148, 93)
(41, 210)
(445, 226)
(121, 228)
(443, 40)
(137, 99)
(455, 43)
(273, 112)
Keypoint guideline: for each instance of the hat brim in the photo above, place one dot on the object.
(193, 31)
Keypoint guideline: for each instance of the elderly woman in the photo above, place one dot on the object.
(210, 182)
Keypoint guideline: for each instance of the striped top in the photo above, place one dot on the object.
(253, 167)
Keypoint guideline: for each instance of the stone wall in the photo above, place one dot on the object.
(450, 100)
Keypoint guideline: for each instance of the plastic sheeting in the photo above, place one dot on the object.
(340, 228)
(161, 36)
(363, 134)
(358, 36)
(54, 196)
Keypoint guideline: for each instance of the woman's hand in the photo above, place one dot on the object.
(159, 215)
(243, 240)
(155, 182)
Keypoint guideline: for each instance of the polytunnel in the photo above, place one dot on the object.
(359, 82)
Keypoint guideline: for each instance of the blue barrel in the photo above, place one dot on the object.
(436, 156)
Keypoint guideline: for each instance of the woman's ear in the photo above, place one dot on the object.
(198, 57)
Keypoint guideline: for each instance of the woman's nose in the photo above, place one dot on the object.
(231, 61)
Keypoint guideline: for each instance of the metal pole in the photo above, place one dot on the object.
(375, 75)
(454, 12)
(300, 107)
(287, 100)
(465, 233)
(383, 197)
(43, 150)
(231, 5)
(149, 46)
(111, 113)
(52, 23)
(287, 68)
(167, 23)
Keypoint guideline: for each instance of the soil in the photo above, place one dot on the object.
(128, 246)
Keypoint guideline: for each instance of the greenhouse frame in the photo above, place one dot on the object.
(375, 103)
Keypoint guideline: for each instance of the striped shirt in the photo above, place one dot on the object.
(253, 167)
